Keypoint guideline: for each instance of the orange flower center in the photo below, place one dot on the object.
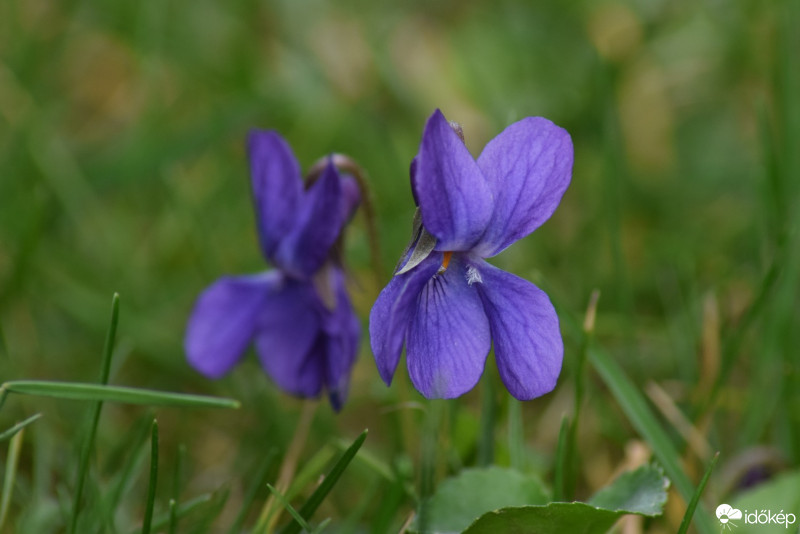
(445, 262)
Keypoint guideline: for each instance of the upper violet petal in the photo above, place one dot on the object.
(289, 340)
(392, 313)
(351, 197)
(454, 198)
(527, 340)
(319, 222)
(224, 320)
(277, 187)
(528, 168)
(448, 339)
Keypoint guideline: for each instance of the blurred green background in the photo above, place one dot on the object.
(122, 168)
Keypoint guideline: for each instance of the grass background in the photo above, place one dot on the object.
(122, 168)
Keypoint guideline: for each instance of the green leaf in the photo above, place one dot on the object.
(96, 392)
(641, 416)
(460, 500)
(641, 492)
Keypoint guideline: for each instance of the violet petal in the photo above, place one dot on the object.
(224, 319)
(393, 311)
(319, 222)
(527, 340)
(528, 168)
(448, 338)
(453, 195)
(277, 187)
(343, 333)
(289, 341)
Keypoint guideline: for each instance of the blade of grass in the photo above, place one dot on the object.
(645, 422)
(11, 475)
(486, 437)
(516, 438)
(173, 517)
(127, 395)
(134, 444)
(11, 432)
(687, 517)
(151, 486)
(289, 508)
(180, 459)
(86, 449)
(181, 511)
(252, 491)
(313, 502)
(269, 512)
(561, 461)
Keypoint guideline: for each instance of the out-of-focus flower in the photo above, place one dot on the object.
(298, 315)
(445, 303)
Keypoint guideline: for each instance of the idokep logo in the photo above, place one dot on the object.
(728, 516)
(726, 513)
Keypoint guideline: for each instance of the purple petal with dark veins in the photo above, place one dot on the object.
(392, 313)
(224, 320)
(527, 340)
(277, 187)
(318, 224)
(448, 339)
(289, 340)
(528, 168)
(453, 195)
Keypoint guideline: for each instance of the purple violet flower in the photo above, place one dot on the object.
(445, 303)
(299, 315)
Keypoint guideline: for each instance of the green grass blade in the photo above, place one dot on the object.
(516, 439)
(127, 395)
(313, 502)
(177, 479)
(8, 434)
(11, 475)
(486, 437)
(645, 422)
(289, 508)
(151, 486)
(181, 511)
(252, 491)
(173, 517)
(86, 449)
(687, 517)
(561, 460)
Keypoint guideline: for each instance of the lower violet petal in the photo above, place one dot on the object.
(343, 332)
(527, 340)
(448, 339)
(224, 320)
(392, 313)
(289, 340)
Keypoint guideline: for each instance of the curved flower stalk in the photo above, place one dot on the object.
(445, 303)
(299, 315)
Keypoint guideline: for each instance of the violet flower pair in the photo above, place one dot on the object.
(445, 303)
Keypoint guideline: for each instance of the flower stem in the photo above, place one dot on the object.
(269, 514)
